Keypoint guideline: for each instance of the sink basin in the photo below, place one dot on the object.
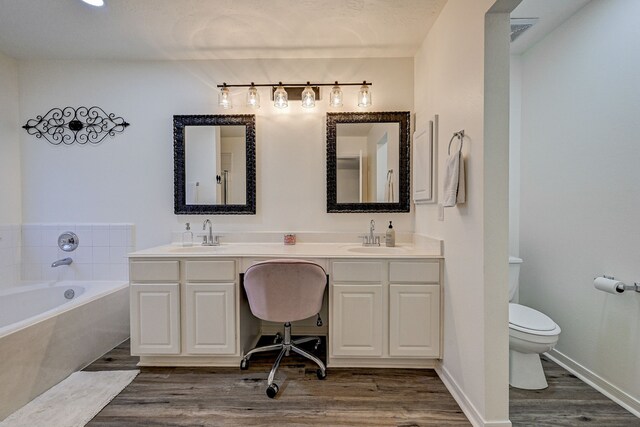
(382, 250)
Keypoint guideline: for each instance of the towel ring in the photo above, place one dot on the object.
(460, 136)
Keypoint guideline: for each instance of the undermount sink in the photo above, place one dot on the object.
(377, 249)
(194, 249)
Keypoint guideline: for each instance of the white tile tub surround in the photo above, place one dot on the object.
(101, 254)
(9, 254)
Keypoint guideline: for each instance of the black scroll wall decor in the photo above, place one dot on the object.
(70, 125)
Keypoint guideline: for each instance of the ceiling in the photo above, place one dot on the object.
(214, 29)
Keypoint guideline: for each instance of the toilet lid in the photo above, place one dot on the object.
(528, 319)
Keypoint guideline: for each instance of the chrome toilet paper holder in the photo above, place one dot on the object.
(623, 286)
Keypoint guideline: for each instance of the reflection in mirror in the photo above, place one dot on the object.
(214, 164)
(215, 161)
(368, 162)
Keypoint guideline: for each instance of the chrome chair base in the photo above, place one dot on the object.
(286, 346)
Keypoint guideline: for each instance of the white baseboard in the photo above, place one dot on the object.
(622, 398)
(463, 401)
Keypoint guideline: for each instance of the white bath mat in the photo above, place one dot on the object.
(73, 402)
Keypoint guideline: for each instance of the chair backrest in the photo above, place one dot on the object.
(285, 290)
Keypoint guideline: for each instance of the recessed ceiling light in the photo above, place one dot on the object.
(96, 3)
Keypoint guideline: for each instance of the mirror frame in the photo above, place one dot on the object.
(179, 192)
(404, 180)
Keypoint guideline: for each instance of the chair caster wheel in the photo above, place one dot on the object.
(244, 364)
(317, 345)
(277, 338)
(321, 375)
(272, 390)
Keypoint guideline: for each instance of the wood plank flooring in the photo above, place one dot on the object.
(231, 397)
(566, 402)
(348, 397)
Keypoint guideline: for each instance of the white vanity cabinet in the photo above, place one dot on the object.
(414, 309)
(384, 312)
(188, 306)
(184, 308)
(357, 308)
(209, 307)
(155, 307)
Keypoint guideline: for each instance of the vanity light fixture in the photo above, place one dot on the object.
(224, 98)
(308, 97)
(96, 3)
(364, 95)
(335, 96)
(253, 97)
(280, 97)
(306, 92)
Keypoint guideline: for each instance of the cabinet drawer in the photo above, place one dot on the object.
(210, 270)
(414, 272)
(356, 271)
(154, 271)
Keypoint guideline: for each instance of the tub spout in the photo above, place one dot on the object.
(63, 261)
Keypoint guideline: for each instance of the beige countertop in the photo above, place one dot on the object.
(307, 250)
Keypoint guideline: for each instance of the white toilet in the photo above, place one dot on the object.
(530, 333)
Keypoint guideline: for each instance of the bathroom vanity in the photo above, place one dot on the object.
(383, 306)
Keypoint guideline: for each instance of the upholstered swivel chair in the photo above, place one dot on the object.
(285, 290)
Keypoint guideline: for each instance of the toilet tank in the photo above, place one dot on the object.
(514, 275)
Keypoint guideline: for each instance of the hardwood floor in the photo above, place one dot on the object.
(566, 402)
(231, 397)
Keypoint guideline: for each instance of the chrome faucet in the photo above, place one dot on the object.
(371, 239)
(63, 261)
(209, 239)
(372, 226)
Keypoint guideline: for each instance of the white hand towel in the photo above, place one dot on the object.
(451, 180)
(462, 194)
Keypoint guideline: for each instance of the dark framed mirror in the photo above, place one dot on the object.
(214, 164)
(368, 162)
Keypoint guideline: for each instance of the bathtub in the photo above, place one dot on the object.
(49, 330)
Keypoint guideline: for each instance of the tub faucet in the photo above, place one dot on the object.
(63, 261)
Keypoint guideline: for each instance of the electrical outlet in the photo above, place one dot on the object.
(440, 212)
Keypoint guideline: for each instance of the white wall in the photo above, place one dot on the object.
(10, 203)
(515, 133)
(129, 178)
(10, 209)
(580, 198)
(450, 79)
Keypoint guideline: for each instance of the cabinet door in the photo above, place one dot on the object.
(414, 320)
(210, 318)
(155, 318)
(356, 325)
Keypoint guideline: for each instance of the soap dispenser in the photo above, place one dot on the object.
(187, 236)
(390, 237)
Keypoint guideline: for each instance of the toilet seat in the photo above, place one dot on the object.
(526, 319)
